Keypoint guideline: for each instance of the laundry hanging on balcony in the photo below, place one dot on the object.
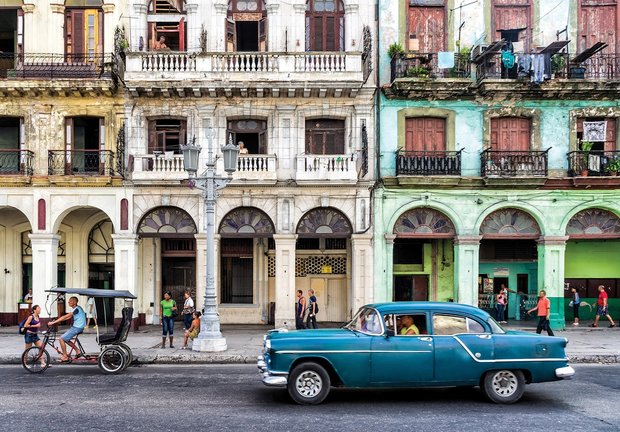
(445, 59)
(594, 130)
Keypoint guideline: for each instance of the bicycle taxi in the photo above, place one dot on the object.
(114, 355)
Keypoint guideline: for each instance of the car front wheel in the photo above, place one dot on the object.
(504, 386)
(309, 384)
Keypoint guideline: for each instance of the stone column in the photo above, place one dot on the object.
(28, 44)
(467, 268)
(126, 267)
(385, 292)
(216, 37)
(201, 269)
(352, 32)
(193, 27)
(362, 265)
(551, 251)
(139, 28)
(44, 268)
(274, 30)
(109, 21)
(54, 44)
(285, 280)
(297, 29)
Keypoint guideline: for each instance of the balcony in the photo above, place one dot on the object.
(321, 168)
(428, 163)
(237, 73)
(516, 164)
(80, 163)
(425, 65)
(16, 162)
(252, 168)
(594, 163)
(26, 74)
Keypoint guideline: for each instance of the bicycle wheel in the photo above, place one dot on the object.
(35, 360)
(112, 360)
(128, 353)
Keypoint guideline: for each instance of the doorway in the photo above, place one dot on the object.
(178, 275)
(101, 276)
(410, 288)
(331, 296)
(247, 36)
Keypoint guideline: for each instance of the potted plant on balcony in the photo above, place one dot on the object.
(613, 166)
(418, 72)
(395, 50)
(558, 65)
(586, 147)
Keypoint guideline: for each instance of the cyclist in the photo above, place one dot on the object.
(79, 322)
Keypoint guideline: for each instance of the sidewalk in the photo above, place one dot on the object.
(586, 345)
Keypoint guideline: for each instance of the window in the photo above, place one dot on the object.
(84, 141)
(324, 25)
(246, 26)
(600, 131)
(325, 137)
(11, 35)
(252, 132)
(367, 321)
(167, 135)
(510, 134)
(11, 141)
(236, 270)
(425, 134)
(445, 325)
(83, 34)
(426, 26)
(405, 322)
(410, 288)
(166, 22)
(598, 22)
(512, 20)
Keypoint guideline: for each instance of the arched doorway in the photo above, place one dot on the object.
(591, 259)
(509, 256)
(322, 260)
(246, 234)
(101, 267)
(172, 245)
(423, 256)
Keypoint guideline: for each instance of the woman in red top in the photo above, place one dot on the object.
(544, 312)
(602, 308)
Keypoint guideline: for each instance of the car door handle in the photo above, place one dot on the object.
(426, 339)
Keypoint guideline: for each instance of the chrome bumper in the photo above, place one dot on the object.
(268, 379)
(565, 372)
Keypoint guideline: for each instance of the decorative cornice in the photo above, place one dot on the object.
(553, 240)
(468, 240)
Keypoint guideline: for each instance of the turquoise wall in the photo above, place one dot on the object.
(531, 269)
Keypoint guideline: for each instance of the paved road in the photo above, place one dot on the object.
(231, 398)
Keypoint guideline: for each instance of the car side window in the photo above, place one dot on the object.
(410, 324)
(450, 324)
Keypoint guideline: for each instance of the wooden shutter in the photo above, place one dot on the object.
(69, 142)
(598, 22)
(510, 134)
(152, 143)
(19, 46)
(101, 154)
(231, 35)
(427, 26)
(182, 34)
(74, 33)
(262, 142)
(317, 40)
(513, 14)
(262, 35)
(425, 134)
(182, 134)
(331, 33)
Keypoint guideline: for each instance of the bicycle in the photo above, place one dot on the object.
(37, 359)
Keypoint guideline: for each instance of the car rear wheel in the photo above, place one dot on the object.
(504, 386)
(309, 384)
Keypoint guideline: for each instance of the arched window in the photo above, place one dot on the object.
(324, 25)
(246, 26)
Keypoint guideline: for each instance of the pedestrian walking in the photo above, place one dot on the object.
(32, 326)
(300, 310)
(167, 307)
(188, 310)
(602, 308)
(90, 312)
(500, 305)
(576, 300)
(312, 310)
(544, 312)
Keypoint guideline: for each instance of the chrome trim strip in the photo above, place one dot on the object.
(507, 360)
(275, 381)
(354, 352)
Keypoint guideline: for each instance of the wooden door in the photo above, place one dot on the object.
(427, 28)
(512, 14)
(510, 134)
(598, 22)
(425, 134)
(331, 295)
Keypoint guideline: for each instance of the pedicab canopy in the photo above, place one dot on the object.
(93, 292)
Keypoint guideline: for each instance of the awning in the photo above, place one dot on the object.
(93, 292)
(554, 47)
(580, 58)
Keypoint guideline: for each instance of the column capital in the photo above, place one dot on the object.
(125, 238)
(56, 8)
(221, 8)
(108, 8)
(473, 240)
(389, 239)
(191, 8)
(361, 237)
(299, 8)
(272, 8)
(281, 239)
(553, 240)
(43, 237)
(29, 7)
(140, 8)
(351, 8)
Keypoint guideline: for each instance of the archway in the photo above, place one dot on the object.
(423, 256)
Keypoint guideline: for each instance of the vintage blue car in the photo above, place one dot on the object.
(412, 344)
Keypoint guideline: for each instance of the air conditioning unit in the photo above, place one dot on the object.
(477, 50)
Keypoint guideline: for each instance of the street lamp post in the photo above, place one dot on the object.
(210, 337)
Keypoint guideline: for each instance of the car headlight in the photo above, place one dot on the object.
(268, 344)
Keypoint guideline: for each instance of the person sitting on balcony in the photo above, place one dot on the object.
(160, 44)
(242, 149)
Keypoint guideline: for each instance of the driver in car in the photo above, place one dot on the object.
(79, 322)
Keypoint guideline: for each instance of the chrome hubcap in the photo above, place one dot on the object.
(309, 384)
(505, 383)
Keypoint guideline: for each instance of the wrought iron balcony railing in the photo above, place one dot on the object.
(16, 162)
(428, 163)
(81, 162)
(49, 66)
(425, 65)
(593, 163)
(514, 163)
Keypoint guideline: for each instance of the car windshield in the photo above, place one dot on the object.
(495, 327)
(366, 320)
